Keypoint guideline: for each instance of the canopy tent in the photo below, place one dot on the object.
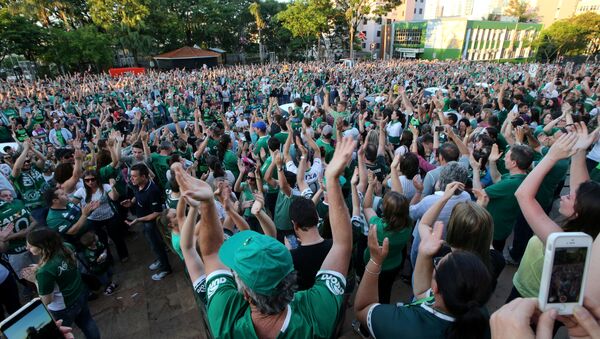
(188, 57)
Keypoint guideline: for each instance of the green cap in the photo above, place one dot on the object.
(260, 261)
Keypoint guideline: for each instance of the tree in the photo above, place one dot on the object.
(254, 9)
(79, 49)
(303, 21)
(357, 10)
(110, 13)
(521, 10)
(19, 35)
(573, 36)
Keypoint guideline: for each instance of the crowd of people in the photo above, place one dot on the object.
(293, 192)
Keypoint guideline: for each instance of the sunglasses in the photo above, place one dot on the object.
(251, 178)
(89, 179)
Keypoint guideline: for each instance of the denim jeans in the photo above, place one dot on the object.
(79, 313)
(157, 245)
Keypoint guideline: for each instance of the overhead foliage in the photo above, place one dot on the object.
(573, 36)
(521, 10)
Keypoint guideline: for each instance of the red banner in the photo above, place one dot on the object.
(115, 72)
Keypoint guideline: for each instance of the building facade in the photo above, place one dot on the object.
(459, 38)
(587, 6)
(550, 11)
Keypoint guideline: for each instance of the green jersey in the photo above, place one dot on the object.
(62, 273)
(262, 142)
(92, 257)
(327, 148)
(282, 211)
(503, 204)
(230, 160)
(313, 313)
(108, 172)
(263, 171)
(21, 135)
(31, 184)
(397, 242)
(61, 220)
(171, 201)
(17, 214)
(161, 166)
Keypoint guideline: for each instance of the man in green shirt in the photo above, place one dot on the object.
(160, 163)
(503, 203)
(15, 221)
(28, 180)
(325, 141)
(260, 128)
(258, 298)
(65, 217)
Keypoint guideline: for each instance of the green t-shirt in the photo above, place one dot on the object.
(61, 220)
(246, 195)
(313, 313)
(31, 185)
(503, 204)
(281, 136)
(262, 142)
(108, 172)
(230, 160)
(176, 243)
(21, 134)
(274, 175)
(92, 256)
(212, 146)
(10, 113)
(60, 138)
(170, 200)
(545, 194)
(329, 150)
(59, 271)
(160, 163)
(397, 241)
(590, 102)
(282, 212)
(415, 320)
(17, 214)
(528, 277)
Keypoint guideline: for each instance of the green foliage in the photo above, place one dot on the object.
(79, 49)
(110, 13)
(573, 36)
(521, 10)
(20, 35)
(303, 19)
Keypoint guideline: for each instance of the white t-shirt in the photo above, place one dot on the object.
(595, 152)
(104, 210)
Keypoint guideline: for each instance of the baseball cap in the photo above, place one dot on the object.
(260, 125)
(259, 260)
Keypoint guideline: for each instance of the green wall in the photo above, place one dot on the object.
(503, 25)
(441, 54)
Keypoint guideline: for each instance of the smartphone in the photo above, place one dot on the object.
(30, 321)
(566, 263)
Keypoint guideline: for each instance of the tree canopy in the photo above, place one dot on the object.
(572, 36)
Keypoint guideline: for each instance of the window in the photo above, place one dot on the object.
(421, 1)
(364, 45)
(365, 21)
(420, 10)
(365, 33)
(379, 20)
(415, 11)
(378, 34)
(377, 46)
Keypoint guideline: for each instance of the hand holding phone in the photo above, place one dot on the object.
(566, 263)
(31, 321)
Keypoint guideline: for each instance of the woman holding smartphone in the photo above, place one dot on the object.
(58, 280)
(579, 208)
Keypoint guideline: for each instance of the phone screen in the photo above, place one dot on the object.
(567, 274)
(33, 321)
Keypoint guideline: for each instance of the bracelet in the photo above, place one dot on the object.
(373, 273)
(373, 261)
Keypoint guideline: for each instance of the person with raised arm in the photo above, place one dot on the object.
(251, 279)
(579, 208)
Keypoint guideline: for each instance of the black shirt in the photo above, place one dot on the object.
(308, 261)
(147, 200)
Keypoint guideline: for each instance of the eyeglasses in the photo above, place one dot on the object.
(251, 178)
(89, 179)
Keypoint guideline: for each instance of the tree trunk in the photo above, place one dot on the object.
(351, 42)
(260, 47)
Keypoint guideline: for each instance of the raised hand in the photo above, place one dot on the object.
(495, 154)
(563, 147)
(431, 239)
(418, 183)
(451, 189)
(482, 198)
(341, 158)
(378, 253)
